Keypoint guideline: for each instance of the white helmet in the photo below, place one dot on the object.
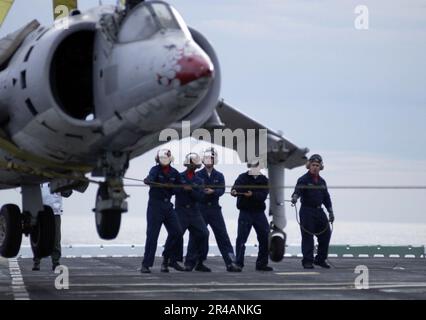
(193, 160)
(253, 163)
(164, 157)
(210, 154)
(254, 167)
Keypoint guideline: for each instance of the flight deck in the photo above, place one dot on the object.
(117, 277)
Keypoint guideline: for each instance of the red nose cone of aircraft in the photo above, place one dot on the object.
(193, 68)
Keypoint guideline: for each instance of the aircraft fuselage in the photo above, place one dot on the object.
(79, 89)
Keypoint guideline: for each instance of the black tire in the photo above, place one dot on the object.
(10, 230)
(277, 247)
(108, 222)
(42, 236)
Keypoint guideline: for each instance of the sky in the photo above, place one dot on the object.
(300, 66)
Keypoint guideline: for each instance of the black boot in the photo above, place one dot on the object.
(188, 268)
(145, 270)
(202, 268)
(165, 265)
(233, 268)
(308, 265)
(175, 265)
(264, 268)
(322, 264)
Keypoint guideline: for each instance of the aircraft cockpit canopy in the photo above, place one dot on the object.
(149, 18)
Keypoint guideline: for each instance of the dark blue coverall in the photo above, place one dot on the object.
(212, 214)
(312, 216)
(252, 214)
(160, 211)
(190, 218)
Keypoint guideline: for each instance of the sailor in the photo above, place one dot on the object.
(212, 211)
(160, 211)
(190, 218)
(251, 190)
(313, 193)
(53, 200)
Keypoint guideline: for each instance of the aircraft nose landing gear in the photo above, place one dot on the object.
(110, 205)
(277, 236)
(277, 243)
(110, 199)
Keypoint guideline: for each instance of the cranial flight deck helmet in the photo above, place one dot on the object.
(210, 154)
(164, 157)
(193, 160)
(254, 167)
(315, 158)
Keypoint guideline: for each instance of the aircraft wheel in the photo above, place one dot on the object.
(10, 230)
(277, 245)
(108, 221)
(42, 236)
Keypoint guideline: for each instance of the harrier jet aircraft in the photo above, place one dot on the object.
(89, 97)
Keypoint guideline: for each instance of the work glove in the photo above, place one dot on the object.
(331, 216)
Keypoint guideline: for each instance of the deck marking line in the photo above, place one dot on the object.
(18, 286)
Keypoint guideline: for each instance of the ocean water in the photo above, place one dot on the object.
(81, 229)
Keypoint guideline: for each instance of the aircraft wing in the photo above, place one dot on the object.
(280, 150)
